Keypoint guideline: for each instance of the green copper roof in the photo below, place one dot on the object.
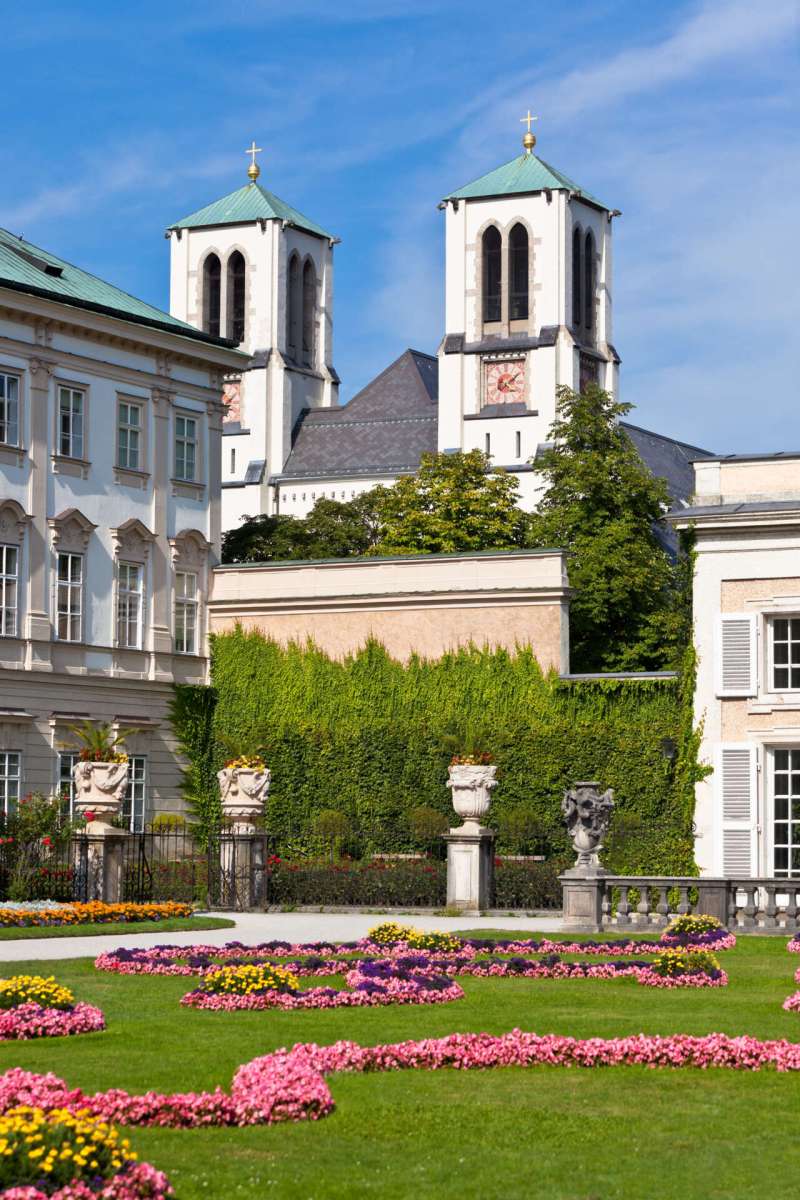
(527, 173)
(27, 268)
(250, 203)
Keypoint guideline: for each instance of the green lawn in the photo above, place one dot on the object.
(559, 1134)
(98, 929)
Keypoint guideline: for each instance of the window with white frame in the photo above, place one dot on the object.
(129, 435)
(66, 781)
(9, 590)
(70, 422)
(129, 605)
(786, 813)
(10, 776)
(134, 806)
(185, 612)
(9, 410)
(185, 448)
(785, 646)
(69, 597)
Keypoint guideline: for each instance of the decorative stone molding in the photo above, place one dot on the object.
(13, 521)
(243, 792)
(132, 540)
(189, 549)
(43, 333)
(587, 814)
(70, 531)
(471, 787)
(100, 788)
(41, 367)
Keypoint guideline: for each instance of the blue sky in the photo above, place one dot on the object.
(682, 114)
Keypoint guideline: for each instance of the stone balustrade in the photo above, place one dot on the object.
(758, 905)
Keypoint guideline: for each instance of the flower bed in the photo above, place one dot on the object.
(93, 912)
(373, 983)
(792, 1003)
(794, 945)
(290, 1085)
(32, 1006)
(64, 1155)
(699, 930)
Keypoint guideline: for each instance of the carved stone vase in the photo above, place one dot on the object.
(471, 788)
(100, 788)
(243, 791)
(587, 813)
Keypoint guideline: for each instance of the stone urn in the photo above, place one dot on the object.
(100, 788)
(471, 786)
(243, 791)
(587, 813)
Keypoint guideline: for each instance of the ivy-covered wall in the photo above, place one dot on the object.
(364, 737)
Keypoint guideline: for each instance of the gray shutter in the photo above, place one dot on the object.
(736, 655)
(737, 783)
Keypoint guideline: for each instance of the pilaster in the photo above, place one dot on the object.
(39, 628)
(160, 550)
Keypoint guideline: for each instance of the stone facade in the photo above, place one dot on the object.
(746, 517)
(423, 605)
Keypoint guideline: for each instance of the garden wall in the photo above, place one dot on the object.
(363, 737)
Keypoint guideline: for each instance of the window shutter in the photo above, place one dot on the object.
(737, 657)
(737, 786)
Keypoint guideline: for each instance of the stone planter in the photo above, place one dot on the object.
(471, 787)
(100, 788)
(243, 791)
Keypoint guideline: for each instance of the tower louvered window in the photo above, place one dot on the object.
(212, 294)
(236, 291)
(518, 273)
(492, 274)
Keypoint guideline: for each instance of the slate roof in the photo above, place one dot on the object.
(27, 268)
(667, 459)
(385, 429)
(249, 203)
(526, 173)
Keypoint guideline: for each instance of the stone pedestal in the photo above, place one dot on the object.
(712, 898)
(470, 868)
(100, 855)
(582, 899)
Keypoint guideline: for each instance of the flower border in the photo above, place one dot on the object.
(26, 1021)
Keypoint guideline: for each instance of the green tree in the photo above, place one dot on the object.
(602, 505)
(454, 502)
(333, 529)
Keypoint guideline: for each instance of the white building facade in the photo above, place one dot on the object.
(110, 453)
(746, 519)
(252, 269)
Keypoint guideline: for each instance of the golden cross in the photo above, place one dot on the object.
(527, 120)
(253, 151)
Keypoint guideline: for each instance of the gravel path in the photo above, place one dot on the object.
(252, 928)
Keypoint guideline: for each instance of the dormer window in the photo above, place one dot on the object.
(492, 274)
(518, 273)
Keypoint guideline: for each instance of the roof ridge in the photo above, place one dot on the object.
(664, 437)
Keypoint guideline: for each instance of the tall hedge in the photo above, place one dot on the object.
(363, 736)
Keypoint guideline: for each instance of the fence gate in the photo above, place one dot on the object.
(164, 863)
(237, 876)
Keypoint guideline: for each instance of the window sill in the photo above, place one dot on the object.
(64, 465)
(12, 456)
(188, 489)
(128, 477)
(777, 702)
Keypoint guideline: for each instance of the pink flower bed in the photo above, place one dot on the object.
(141, 1182)
(695, 979)
(289, 1085)
(792, 1003)
(33, 1021)
(794, 945)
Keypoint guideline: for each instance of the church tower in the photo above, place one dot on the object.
(527, 308)
(252, 269)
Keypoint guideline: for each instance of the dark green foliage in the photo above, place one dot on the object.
(192, 717)
(333, 529)
(365, 737)
(602, 505)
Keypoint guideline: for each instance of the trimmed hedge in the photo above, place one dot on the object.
(364, 737)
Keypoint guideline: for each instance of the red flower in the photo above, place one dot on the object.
(46, 841)
(89, 816)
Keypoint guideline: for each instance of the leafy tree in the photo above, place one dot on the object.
(603, 506)
(333, 529)
(454, 502)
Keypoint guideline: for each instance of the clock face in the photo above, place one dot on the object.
(505, 381)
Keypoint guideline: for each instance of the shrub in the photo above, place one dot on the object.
(520, 884)
(378, 883)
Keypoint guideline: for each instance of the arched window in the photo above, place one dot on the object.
(518, 273)
(588, 284)
(492, 273)
(577, 308)
(212, 291)
(309, 311)
(293, 309)
(236, 272)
